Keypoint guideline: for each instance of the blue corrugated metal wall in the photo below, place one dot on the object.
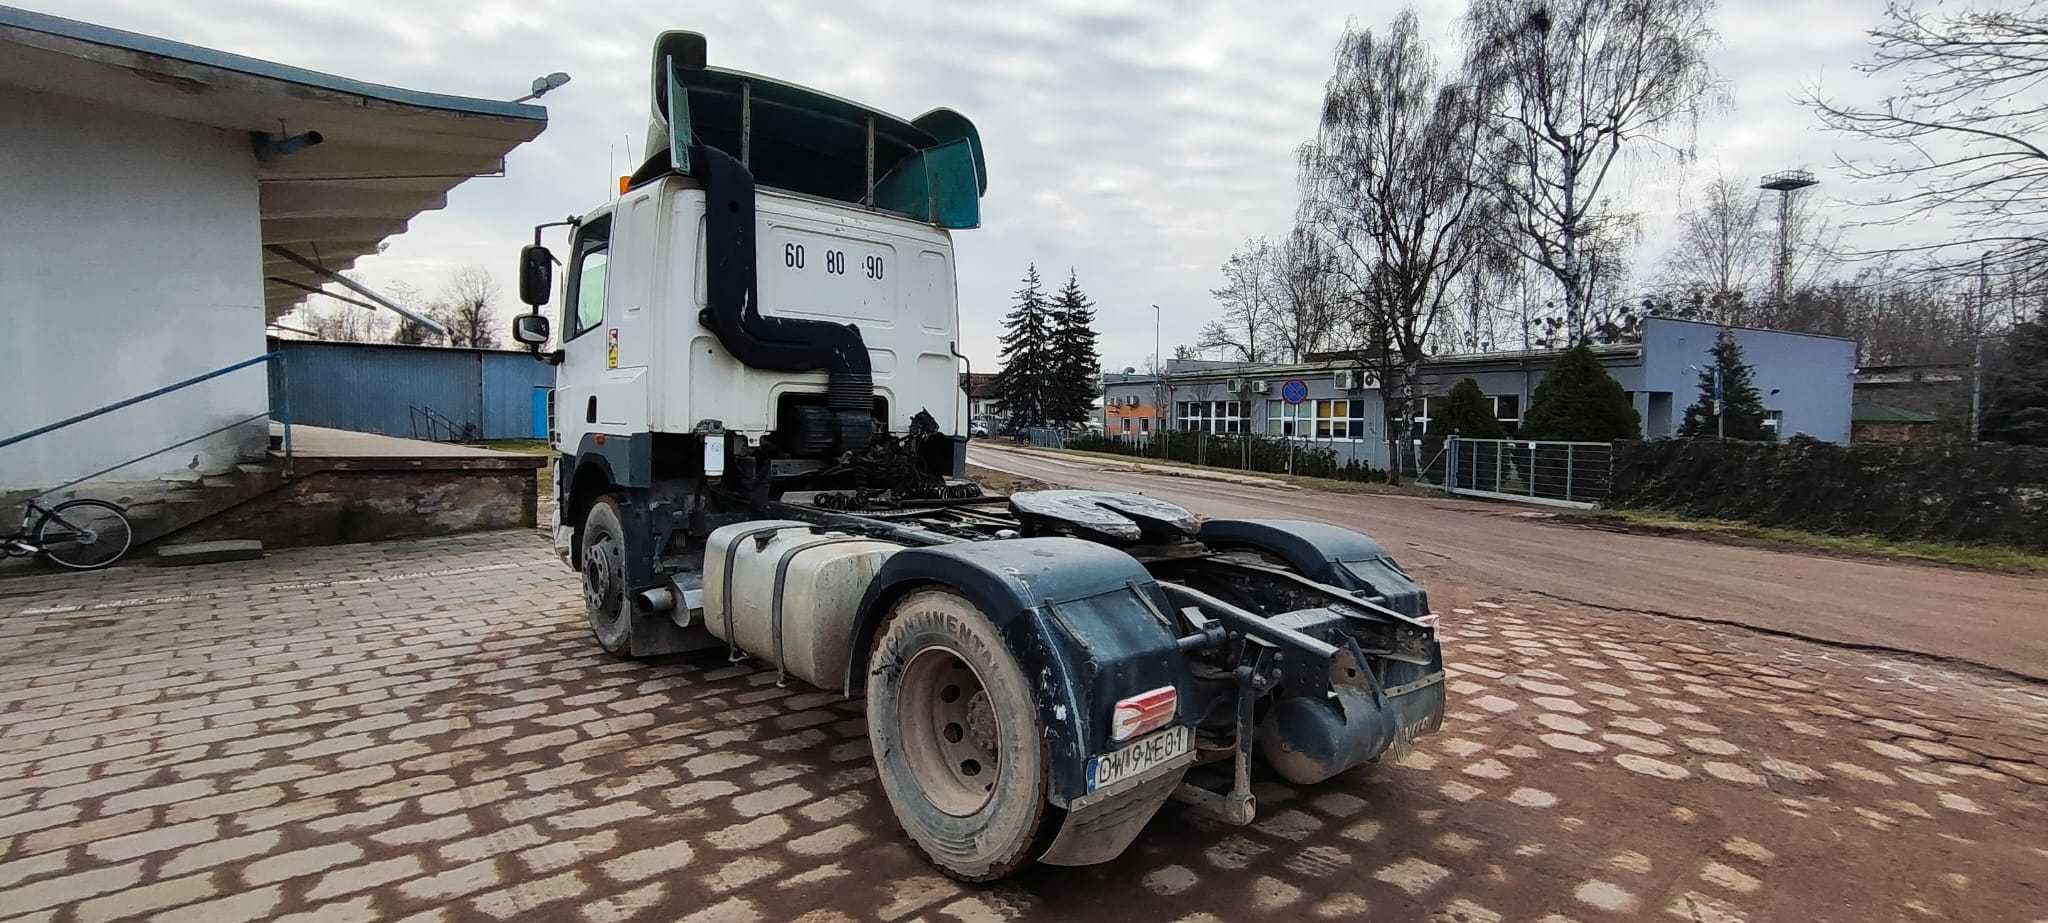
(380, 388)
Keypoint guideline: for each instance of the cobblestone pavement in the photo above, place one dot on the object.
(422, 730)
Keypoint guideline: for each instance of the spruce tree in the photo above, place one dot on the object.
(1742, 408)
(2016, 392)
(1468, 413)
(1076, 362)
(1025, 383)
(1579, 401)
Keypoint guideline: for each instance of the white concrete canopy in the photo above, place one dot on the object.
(385, 155)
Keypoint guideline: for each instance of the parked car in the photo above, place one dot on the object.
(977, 430)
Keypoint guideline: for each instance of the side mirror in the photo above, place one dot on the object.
(536, 277)
(531, 330)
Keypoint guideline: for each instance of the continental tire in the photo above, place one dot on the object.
(957, 740)
(603, 566)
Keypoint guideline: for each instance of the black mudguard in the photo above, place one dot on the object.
(1324, 553)
(1076, 617)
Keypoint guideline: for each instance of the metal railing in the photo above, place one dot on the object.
(281, 413)
(1573, 474)
(434, 426)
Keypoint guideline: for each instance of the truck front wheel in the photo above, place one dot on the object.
(603, 564)
(957, 739)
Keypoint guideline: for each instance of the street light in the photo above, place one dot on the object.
(541, 86)
(1158, 373)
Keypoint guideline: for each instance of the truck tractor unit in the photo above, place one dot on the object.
(760, 444)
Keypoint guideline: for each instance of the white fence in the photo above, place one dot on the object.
(1573, 474)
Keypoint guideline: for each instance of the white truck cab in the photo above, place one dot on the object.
(637, 358)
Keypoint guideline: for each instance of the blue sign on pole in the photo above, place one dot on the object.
(1295, 391)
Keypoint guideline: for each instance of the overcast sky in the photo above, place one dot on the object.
(1137, 143)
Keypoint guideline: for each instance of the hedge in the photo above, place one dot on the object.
(1267, 454)
(1986, 493)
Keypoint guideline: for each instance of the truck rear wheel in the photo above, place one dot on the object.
(957, 739)
(603, 565)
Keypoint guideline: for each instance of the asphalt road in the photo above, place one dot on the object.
(1464, 550)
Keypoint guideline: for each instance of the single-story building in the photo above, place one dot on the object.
(1913, 401)
(1875, 422)
(168, 201)
(1805, 381)
(984, 405)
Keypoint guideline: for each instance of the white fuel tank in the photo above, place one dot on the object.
(822, 576)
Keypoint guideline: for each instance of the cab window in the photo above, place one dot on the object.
(583, 309)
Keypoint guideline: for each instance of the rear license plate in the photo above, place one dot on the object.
(1153, 750)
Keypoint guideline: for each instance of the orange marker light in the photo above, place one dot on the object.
(624, 181)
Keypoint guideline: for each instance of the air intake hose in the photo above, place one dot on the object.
(778, 344)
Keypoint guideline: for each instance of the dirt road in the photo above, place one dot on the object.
(1466, 550)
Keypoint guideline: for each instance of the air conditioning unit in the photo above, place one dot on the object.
(1261, 386)
(1347, 380)
(1234, 386)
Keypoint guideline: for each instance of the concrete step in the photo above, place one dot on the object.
(208, 552)
(182, 502)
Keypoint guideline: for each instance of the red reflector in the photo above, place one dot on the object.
(1143, 712)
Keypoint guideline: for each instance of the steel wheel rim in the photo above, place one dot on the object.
(601, 579)
(950, 731)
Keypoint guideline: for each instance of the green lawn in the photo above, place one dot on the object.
(1999, 558)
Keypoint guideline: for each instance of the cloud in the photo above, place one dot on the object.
(1136, 143)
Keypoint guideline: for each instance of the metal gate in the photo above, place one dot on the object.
(1573, 474)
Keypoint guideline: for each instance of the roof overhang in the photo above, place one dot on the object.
(386, 153)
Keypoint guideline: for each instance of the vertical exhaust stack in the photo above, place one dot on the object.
(732, 309)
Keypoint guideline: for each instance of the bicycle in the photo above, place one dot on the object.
(75, 534)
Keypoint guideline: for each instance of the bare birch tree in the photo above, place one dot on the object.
(1308, 313)
(1391, 188)
(1250, 297)
(466, 308)
(1722, 243)
(1570, 87)
(1965, 123)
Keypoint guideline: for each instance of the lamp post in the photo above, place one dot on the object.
(1159, 421)
(541, 86)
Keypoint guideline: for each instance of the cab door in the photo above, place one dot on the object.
(584, 347)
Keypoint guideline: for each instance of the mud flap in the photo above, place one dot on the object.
(1099, 826)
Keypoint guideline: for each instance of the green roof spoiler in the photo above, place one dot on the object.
(930, 168)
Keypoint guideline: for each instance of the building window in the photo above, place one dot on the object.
(1214, 417)
(1774, 423)
(1127, 424)
(1507, 408)
(1231, 419)
(1333, 419)
(1144, 424)
(1284, 419)
(1418, 423)
(1318, 420)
